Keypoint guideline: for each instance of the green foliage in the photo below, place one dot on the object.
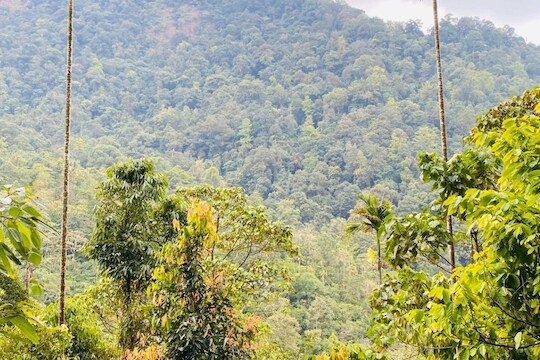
(330, 288)
(222, 262)
(248, 238)
(374, 216)
(52, 344)
(11, 293)
(241, 226)
(88, 338)
(489, 306)
(422, 235)
(124, 232)
(317, 68)
(20, 241)
(516, 107)
(126, 235)
(285, 331)
(15, 311)
(473, 168)
(245, 134)
(135, 220)
(350, 352)
(306, 286)
(400, 309)
(193, 307)
(249, 242)
(303, 110)
(83, 337)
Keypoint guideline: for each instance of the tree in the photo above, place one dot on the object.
(374, 215)
(65, 191)
(249, 240)
(127, 233)
(89, 339)
(221, 264)
(20, 241)
(194, 309)
(442, 117)
(487, 309)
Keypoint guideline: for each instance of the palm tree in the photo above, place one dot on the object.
(374, 215)
(65, 192)
(442, 118)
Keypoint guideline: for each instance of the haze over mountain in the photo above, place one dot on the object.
(188, 82)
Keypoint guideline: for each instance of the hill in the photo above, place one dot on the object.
(310, 101)
(301, 103)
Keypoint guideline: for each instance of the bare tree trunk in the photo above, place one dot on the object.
(442, 120)
(65, 193)
(28, 275)
(379, 260)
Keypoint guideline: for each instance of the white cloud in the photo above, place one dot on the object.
(524, 17)
(402, 10)
(530, 31)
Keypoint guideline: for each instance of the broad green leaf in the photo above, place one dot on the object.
(31, 211)
(437, 292)
(35, 258)
(446, 296)
(16, 241)
(14, 212)
(26, 328)
(20, 339)
(419, 316)
(36, 238)
(35, 288)
(6, 263)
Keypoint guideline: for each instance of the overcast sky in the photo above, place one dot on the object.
(522, 15)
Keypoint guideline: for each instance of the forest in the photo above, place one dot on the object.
(264, 180)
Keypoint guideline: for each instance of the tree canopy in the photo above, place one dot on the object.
(488, 306)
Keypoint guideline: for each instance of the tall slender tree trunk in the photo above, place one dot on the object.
(442, 120)
(65, 192)
(379, 259)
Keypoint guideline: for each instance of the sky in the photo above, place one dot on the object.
(522, 15)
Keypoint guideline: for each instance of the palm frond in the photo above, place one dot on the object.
(354, 227)
(372, 212)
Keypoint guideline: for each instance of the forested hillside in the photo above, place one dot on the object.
(303, 104)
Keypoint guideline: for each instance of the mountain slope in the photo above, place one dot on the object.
(309, 100)
(302, 103)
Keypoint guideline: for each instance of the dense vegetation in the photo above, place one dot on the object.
(488, 307)
(302, 104)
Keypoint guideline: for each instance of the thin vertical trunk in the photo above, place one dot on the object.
(379, 262)
(65, 192)
(451, 247)
(442, 119)
(28, 275)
